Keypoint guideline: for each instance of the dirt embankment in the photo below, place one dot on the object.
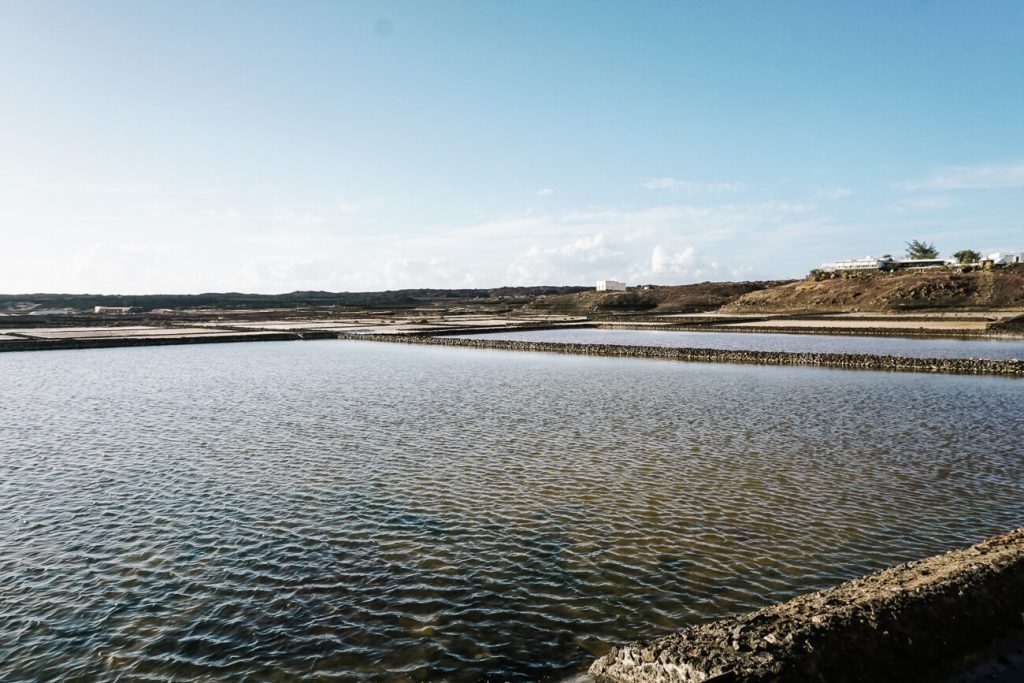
(890, 293)
(696, 298)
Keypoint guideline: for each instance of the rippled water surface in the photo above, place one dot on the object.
(351, 510)
(997, 349)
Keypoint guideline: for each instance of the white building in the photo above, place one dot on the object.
(866, 263)
(885, 262)
(1005, 258)
(611, 286)
(112, 309)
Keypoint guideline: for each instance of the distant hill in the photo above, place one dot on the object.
(863, 292)
(401, 298)
(695, 298)
(890, 292)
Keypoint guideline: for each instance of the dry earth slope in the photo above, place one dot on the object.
(695, 298)
(890, 293)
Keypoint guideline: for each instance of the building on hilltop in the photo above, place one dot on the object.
(112, 309)
(1005, 259)
(885, 263)
(611, 286)
(866, 263)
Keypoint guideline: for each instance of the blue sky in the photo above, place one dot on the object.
(274, 146)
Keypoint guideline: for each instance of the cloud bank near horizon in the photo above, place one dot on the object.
(198, 244)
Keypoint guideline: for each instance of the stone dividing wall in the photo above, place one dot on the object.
(516, 327)
(108, 342)
(913, 622)
(966, 366)
(992, 332)
(963, 366)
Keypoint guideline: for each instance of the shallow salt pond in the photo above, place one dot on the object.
(996, 349)
(393, 512)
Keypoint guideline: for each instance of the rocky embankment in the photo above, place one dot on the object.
(889, 293)
(1012, 325)
(959, 366)
(907, 623)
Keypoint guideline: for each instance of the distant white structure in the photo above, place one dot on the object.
(1005, 259)
(885, 263)
(866, 263)
(112, 309)
(52, 311)
(611, 286)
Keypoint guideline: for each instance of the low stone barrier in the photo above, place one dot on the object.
(994, 331)
(909, 623)
(110, 342)
(691, 320)
(963, 366)
(514, 327)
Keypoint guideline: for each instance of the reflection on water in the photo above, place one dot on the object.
(996, 349)
(373, 511)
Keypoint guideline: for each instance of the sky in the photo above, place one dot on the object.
(185, 147)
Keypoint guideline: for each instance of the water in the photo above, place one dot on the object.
(996, 349)
(352, 510)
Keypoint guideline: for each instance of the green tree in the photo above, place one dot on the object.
(967, 256)
(921, 250)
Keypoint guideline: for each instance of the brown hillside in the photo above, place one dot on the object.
(890, 292)
(696, 298)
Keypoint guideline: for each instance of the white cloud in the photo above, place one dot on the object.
(545, 192)
(118, 268)
(104, 187)
(693, 187)
(931, 201)
(345, 207)
(834, 192)
(683, 265)
(572, 263)
(703, 223)
(280, 275)
(130, 187)
(662, 261)
(586, 249)
(338, 274)
(273, 243)
(978, 177)
(660, 245)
